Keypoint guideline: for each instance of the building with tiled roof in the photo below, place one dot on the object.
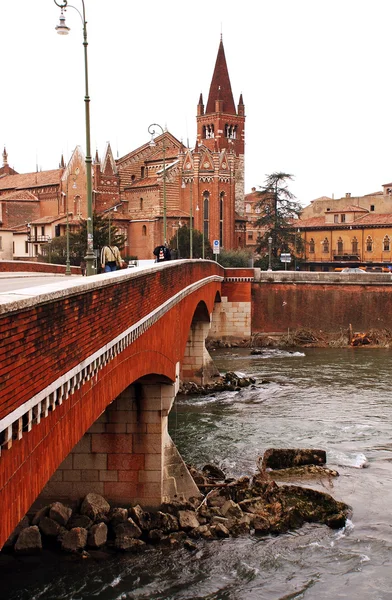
(336, 233)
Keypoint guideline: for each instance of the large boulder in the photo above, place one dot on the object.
(79, 521)
(118, 515)
(74, 540)
(97, 535)
(128, 528)
(60, 513)
(284, 458)
(29, 541)
(95, 507)
(164, 521)
(49, 527)
(187, 519)
(140, 517)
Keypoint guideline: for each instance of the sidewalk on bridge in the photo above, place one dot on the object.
(12, 274)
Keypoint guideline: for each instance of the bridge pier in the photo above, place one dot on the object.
(197, 364)
(127, 455)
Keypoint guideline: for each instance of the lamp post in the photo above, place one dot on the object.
(114, 209)
(269, 253)
(62, 29)
(299, 232)
(202, 226)
(152, 132)
(190, 215)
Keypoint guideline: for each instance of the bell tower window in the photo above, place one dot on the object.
(208, 132)
(231, 131)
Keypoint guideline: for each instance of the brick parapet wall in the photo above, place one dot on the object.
(18, 266)
(330, 307)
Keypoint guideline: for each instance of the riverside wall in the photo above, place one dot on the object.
(328, 302)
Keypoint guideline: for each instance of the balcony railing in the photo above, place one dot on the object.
(38, 239)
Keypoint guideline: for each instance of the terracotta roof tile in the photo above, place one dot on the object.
(367, 219)
(350, 208)
(30, 180)
(24, 195)
(141, 183)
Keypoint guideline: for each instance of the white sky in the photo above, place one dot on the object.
(315, 76)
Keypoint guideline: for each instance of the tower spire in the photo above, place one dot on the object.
(220, 85)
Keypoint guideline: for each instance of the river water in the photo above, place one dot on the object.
(334, 399)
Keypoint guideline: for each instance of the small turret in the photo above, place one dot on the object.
(200, 106)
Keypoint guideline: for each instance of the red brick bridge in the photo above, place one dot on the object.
(89, 370)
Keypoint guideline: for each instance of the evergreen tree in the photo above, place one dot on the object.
(183, 239)
(279, 211)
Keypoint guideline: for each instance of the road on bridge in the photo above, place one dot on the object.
(17, 281)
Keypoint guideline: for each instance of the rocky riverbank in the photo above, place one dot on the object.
(308, 338)
(254, 505)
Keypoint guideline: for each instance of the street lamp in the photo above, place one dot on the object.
(269, 253)
(62, 29)
(190, 215)
(114, 209)
(67, 259)
(202, 227)
(152, 132)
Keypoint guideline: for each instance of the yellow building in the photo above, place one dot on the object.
(348, 232)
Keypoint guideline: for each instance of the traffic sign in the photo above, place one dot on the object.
(285, 257)
(216, 246)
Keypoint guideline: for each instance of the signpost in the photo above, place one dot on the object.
(285, 258)
(216, 248)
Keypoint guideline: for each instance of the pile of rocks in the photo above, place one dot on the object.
(230, 507)
(231, 381)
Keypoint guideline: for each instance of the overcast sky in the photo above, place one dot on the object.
(315, 77)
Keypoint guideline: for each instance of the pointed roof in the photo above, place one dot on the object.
(220, 87)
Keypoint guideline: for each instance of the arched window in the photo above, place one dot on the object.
(141, 203)
(311, 246)
(77, 206)
(369, 244)
(386, 246)
(325, 244)
(340, 246)
(248, 208)
(354, 245)
(221, 213)
(144, 231)
(208, 131)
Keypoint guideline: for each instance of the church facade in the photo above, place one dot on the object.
(148, 193)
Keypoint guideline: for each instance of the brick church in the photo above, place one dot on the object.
(149, 192)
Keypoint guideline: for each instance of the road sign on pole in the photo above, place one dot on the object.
(286, 258)
(216, 246)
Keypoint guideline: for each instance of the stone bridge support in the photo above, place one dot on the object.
(197, 364)
(127, 455)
